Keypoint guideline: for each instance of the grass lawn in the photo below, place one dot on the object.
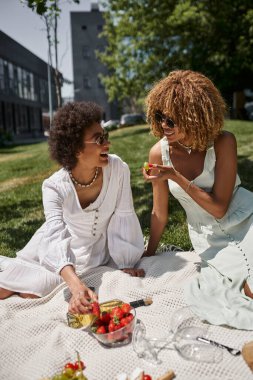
(24, 167)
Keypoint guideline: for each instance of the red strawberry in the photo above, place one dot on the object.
(117, 312)
(129, 317)
(126, 308)
(111, 326)
(101, 330)
(105, 317)
(124, 321)
(95, 309)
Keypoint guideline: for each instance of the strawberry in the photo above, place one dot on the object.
(105, 317)
(129, 317)
(117, 312)
(111, 326)
(101, 330)
(124, 321)
(95, 309)
(126, 308)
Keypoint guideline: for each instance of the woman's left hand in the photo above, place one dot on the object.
(134, 272)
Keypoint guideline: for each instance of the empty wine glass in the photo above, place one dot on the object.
(184, 317)
(183, 337)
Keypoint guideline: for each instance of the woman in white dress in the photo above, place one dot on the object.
(197, 163)
(89, 213)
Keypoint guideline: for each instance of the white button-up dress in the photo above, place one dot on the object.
(85, 238)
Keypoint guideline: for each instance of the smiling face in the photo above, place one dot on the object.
(170, 128)
(96, 147)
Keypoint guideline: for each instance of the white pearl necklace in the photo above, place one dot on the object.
(80, 184)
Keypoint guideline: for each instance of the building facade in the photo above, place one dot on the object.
(23, 90)
(85, 29)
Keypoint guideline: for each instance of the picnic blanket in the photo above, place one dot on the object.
(36, 341)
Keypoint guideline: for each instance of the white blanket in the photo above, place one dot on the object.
(36, 341)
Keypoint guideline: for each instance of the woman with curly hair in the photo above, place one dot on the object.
(89, 214)
(196, 161)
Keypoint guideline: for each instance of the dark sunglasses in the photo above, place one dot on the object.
(100, 140)
(160, 118)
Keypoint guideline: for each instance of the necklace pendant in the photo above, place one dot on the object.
(188, 149)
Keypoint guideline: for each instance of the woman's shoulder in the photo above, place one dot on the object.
(57, 179)
(155, 154)
(225, 139)
(117, 162)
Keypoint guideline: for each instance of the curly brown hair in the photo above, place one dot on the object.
(192, 101)
(69, 125)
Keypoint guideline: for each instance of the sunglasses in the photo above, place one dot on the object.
(160, 118)
(100, 140)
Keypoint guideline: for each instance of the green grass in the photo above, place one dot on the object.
(24, 167)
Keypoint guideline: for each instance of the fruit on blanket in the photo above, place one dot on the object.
(79, 364)
(147, 377)
(71, 371)
(70, 365)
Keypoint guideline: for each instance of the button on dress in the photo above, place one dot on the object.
(85, 238)
(225, 247)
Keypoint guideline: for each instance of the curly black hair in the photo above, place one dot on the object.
(69, 124)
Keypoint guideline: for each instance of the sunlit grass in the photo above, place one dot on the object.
(23, 169)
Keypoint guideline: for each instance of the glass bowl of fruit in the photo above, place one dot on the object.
(115, 327)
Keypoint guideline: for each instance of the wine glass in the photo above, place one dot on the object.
(183, 337)
(184, 317)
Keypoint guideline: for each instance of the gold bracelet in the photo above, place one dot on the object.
(189, 185)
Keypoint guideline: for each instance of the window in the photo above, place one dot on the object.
(11, 76)
(84, 27)
(24, 78)
(99, 28)
(86, 82)
(100, 48)
(15, 79)
(100, 84)
(20, 87)
(86, 52)
(1, 74)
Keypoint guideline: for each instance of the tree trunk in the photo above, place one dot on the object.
(57, 75)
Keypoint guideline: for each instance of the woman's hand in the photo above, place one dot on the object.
(159, 173)
(134, 272)
(80, 302)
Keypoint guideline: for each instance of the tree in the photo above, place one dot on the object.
(146, 39)
(49, 11)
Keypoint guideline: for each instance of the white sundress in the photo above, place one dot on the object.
(85, 238)
(225, 247)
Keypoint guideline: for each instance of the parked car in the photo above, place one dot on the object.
(111, 124)
(132, 119)
(249, 110)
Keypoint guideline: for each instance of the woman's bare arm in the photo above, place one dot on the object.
(81, 294)
(159, 215)
(217, 201)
